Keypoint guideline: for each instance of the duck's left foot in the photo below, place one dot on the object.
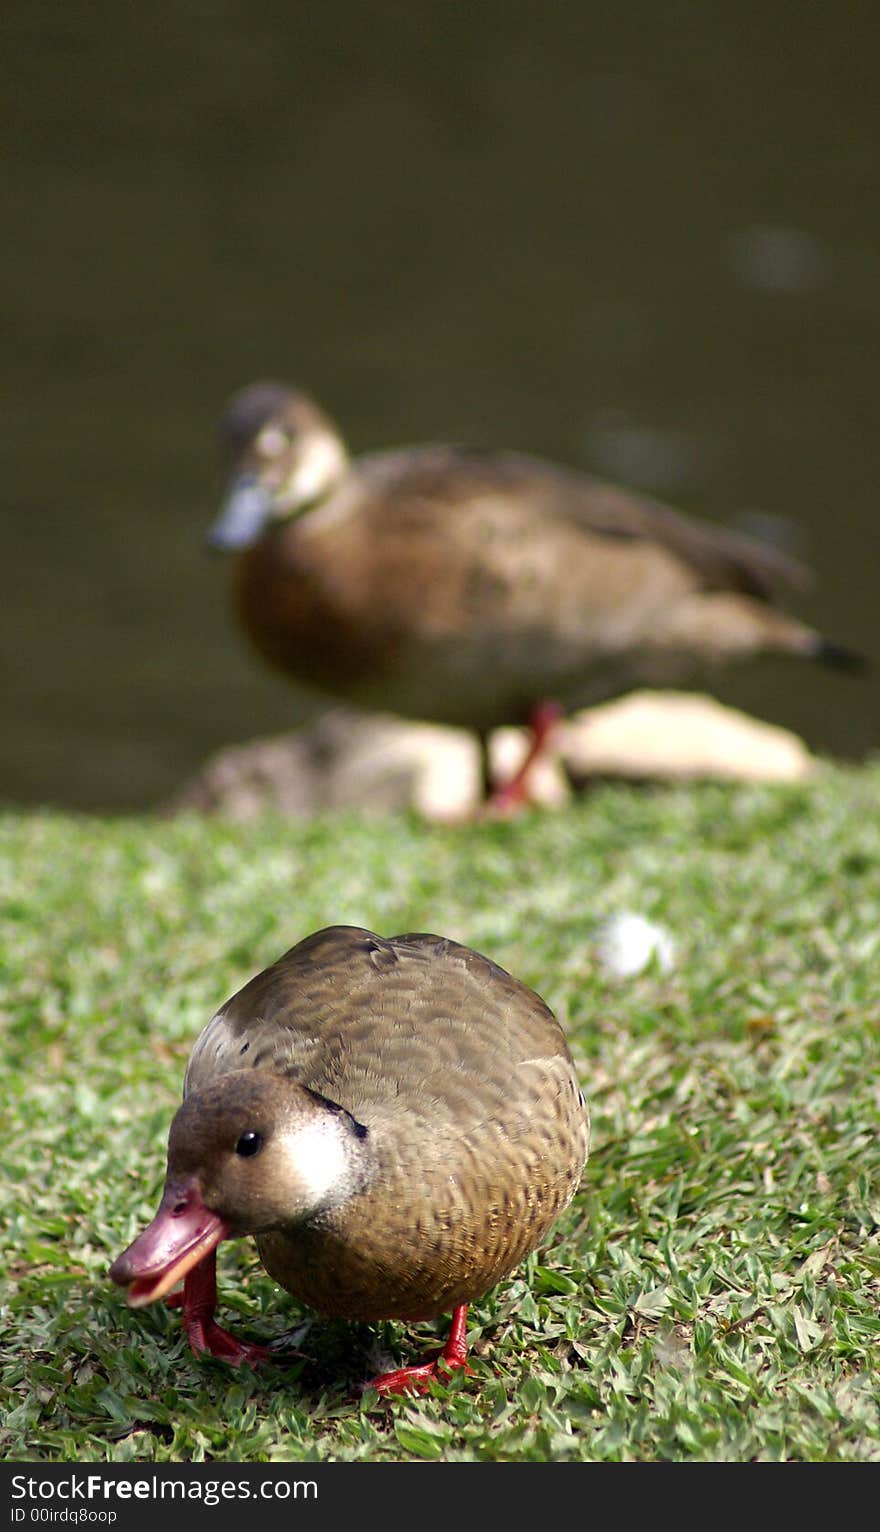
(202, 1330)
(417, 1380)
(514, 795)
(205, 1335)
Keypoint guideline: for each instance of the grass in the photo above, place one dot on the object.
(712, 1293)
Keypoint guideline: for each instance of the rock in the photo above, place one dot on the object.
(658, 735)
(344, 759)
(380, 764)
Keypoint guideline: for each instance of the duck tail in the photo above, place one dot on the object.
(840, 657)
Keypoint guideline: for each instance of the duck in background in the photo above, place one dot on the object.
(478, 588)
(398, 1122)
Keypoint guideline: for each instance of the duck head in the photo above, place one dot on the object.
(249, 1154)
(280, 454)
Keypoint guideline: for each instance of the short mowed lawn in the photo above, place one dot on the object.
(712, 1294)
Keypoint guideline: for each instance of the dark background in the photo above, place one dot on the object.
(642, 239)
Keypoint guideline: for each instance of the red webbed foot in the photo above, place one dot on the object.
(205, 1335)
(508, 798)
(417, 1379)
(203, 1332)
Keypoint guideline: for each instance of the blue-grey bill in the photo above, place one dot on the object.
(243, 516)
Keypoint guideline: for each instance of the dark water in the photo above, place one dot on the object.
(642, 239)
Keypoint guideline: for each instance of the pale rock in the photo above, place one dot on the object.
(381, 764)
(656, 735)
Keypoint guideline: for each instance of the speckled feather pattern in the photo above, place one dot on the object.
(477, 1128)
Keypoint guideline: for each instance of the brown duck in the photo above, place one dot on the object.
(478, 589)
(398, 1122)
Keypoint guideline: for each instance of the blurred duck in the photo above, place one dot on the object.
(398, 1122)
(479, 588)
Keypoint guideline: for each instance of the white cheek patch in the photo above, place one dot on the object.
(317, 1158)
(321, 465)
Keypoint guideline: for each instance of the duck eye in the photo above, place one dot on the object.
(249, 1143)
(273, 440)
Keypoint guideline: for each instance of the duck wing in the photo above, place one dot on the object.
(722, 558)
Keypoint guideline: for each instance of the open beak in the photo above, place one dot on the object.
(182, 1233)
(243, 515)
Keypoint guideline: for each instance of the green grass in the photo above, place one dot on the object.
(712, 1293)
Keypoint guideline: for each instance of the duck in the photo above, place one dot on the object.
(479, 588)
(398, 1122)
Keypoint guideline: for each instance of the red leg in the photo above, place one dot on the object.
(414, 1380)
(203, 1332)
(514, 794)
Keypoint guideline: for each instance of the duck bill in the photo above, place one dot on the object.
(182, 1233)
(243, 515)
